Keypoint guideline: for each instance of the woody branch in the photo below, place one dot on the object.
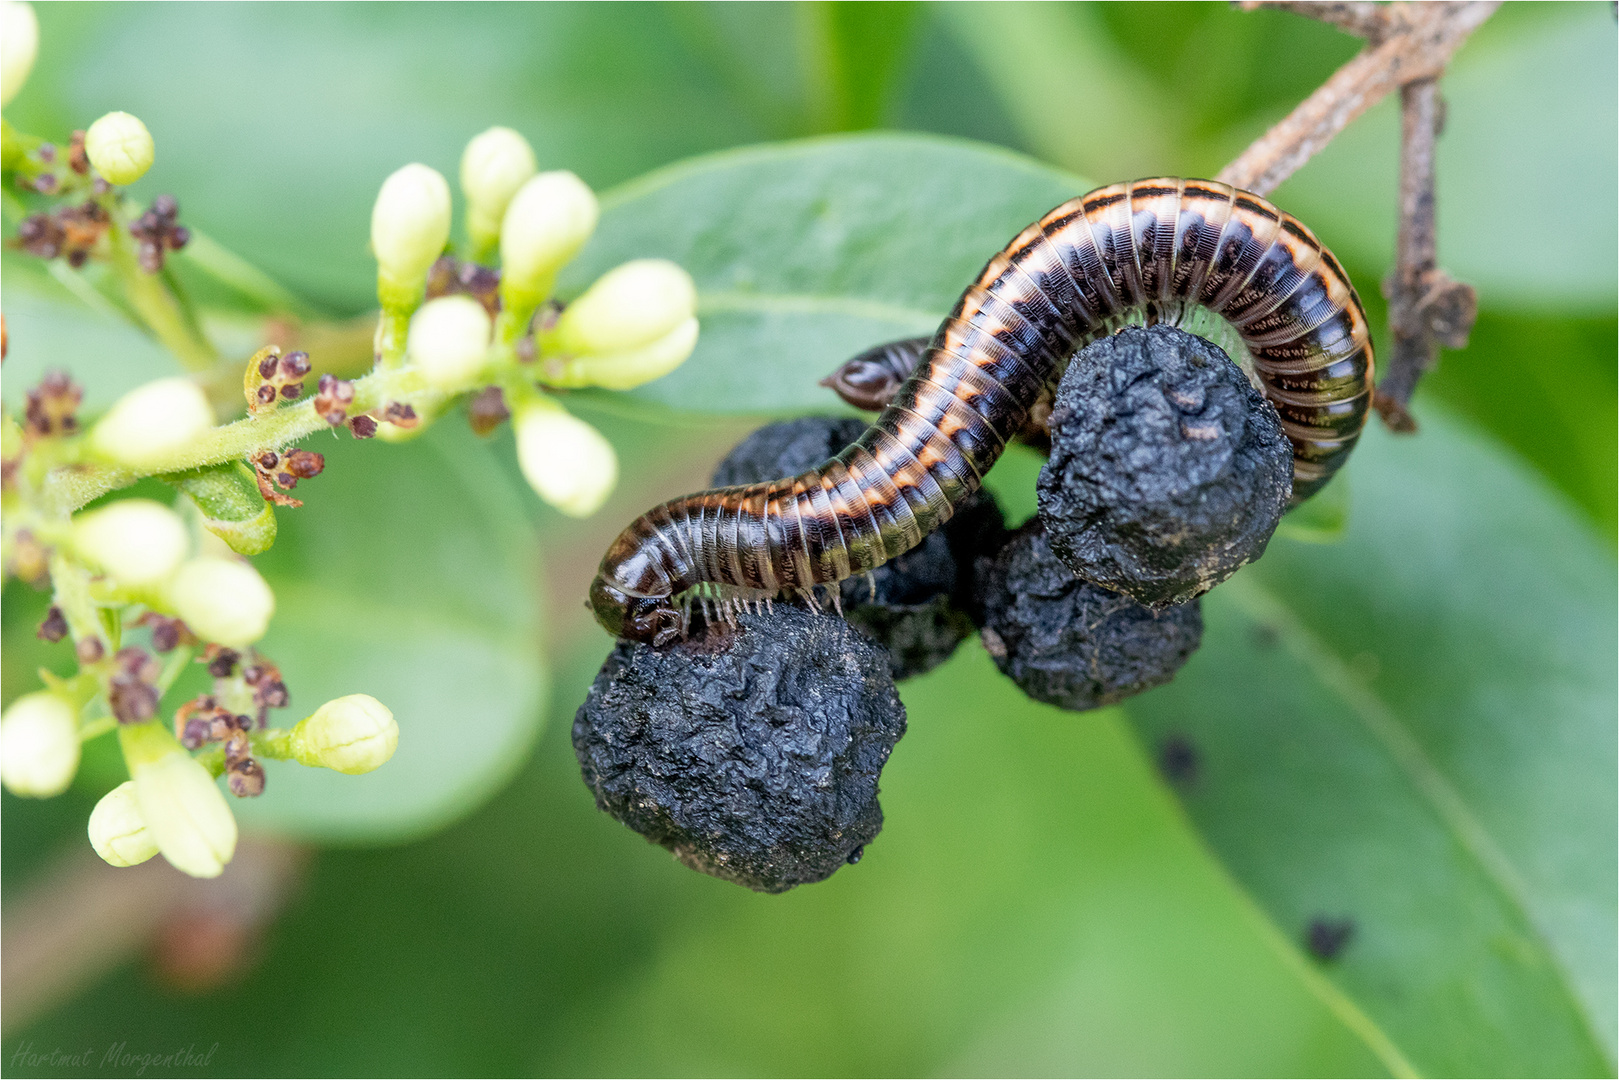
(1408, 46)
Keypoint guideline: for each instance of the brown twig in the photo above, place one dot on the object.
(1408, 46)
(1416, 42)
(1362, 18)
(1426, 308)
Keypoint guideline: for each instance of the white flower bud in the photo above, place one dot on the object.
(39, 745)
(564, 459)
(624, 370)
(19, 44)
(548, 221)
(493, 166)
(120, 148)
(352, 734)
(410, 224)
(134, 541)
(117, 830)
(628, 307)
(152, 421)
(183, 808)
(222, 600)
(449, 341)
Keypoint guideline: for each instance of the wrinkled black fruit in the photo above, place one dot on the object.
(1069, 643)
(1168, 470)
(752, 753)
(916, 606)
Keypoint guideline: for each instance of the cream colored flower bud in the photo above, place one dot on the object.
(120, 148)
(449, 341)
(548, 221)
(352, 734)
(628, 307)
(564, 459)
(136, 542)
(222, 600)
(493, 166)
(179, 801)
(117, 830)
(410, 224)
(623, 370)
(19, 44)
(39, 745)
(151, 422)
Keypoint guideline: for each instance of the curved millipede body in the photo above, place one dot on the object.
(1155, 251)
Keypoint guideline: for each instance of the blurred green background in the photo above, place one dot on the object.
(1429, 750)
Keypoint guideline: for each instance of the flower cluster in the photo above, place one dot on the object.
(463, 326)
(142, 589)
(136, 564)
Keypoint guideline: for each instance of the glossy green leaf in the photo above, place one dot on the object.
(1414, 729)
(409, 574)
(232, 506)
(805, 253)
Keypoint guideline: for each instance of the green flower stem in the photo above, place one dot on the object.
(393, 327)
(156, 305)
(173, 668)
(517, 308)
(229, 268)
(98, 727)
(66, 489)
(71, 584)
(275, 743)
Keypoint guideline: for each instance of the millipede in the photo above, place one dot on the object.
(1154, 251)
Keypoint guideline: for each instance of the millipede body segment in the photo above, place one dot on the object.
(1154, 251)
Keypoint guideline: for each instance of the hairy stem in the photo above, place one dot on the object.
(69, 487)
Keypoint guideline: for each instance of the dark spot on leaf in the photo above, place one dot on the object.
(1327, 937)
(1180, 760)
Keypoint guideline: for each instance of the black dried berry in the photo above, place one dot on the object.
(1168, 470)
(1069, 643)
(751, 753)
(916, 606)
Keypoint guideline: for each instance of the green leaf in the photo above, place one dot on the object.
(231, 505)
(805, 253)
(1414, 729)
(409, 574)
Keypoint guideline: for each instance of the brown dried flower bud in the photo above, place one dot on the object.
(77, 159)
(486, 410)
(52, 406)
(221, 661)
(245, 778)
(54, 628)
(304, 464)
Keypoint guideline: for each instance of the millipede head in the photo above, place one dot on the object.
(652, 619)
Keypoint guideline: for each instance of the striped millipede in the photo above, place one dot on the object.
(1160, 250)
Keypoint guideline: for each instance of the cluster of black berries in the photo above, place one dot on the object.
(159, 232)
(753, 752)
